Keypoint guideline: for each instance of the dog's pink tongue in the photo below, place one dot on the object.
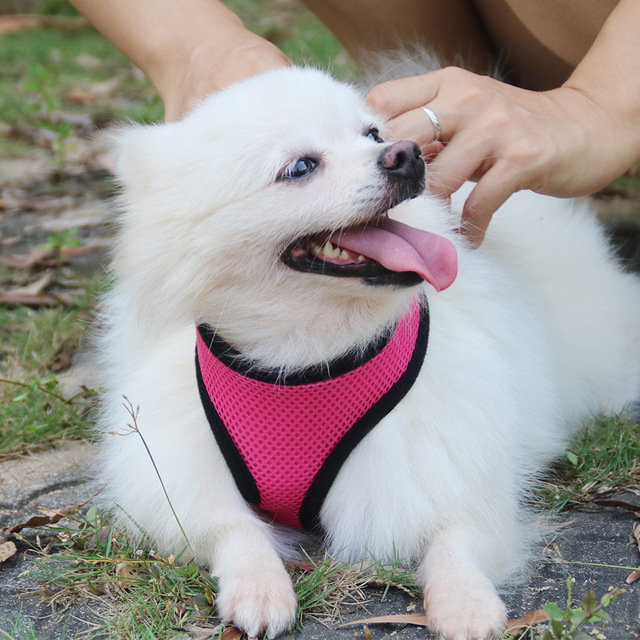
(399, 247)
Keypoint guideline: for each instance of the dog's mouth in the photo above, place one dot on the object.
(384, 252)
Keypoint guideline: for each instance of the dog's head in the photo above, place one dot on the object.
(272, 198)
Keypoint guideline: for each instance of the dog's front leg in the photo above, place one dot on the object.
(255, 590)
(460, 600)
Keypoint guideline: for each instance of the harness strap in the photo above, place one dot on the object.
(285, 440)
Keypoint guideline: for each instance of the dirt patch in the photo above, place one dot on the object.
(54, 479)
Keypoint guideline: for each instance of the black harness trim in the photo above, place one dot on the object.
(312, 503)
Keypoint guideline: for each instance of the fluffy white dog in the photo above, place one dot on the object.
(300, 356)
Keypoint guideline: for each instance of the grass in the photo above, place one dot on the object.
(44, 65)
(604, 456)
(568, 623)
(147, 595)
(297, 32)
(19, 630)
(144, 595)
(144, 592)
(33, 343)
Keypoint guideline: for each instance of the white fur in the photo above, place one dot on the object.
(540, 330)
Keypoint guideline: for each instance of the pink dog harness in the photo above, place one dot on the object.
(286, 440)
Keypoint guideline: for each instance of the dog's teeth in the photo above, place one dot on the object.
(330, 251)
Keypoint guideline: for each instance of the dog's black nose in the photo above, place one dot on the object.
(402, 161)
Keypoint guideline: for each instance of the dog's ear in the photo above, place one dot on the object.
(140, 151)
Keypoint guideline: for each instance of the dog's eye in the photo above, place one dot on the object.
(298, 169)
(374, 134)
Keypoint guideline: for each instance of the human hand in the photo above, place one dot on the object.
(187, 49)
(558, 142)
(214, 65)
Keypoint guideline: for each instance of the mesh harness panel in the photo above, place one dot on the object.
(286, 440)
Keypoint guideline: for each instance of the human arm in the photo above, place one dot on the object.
(568, 141)
(187, 49)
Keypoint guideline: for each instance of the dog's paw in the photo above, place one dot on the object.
(466, 612)
(257, 603)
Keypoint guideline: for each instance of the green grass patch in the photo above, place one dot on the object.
(42, 66)
(36, 413)
(146, 595)
(568, 623)
(33, 344)
(603, 456)
(149, 596)
(22, 629)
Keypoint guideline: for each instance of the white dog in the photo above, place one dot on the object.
(298, 356)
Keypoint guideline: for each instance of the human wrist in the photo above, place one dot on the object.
(177, 60)
(610, 127)
(208, 62)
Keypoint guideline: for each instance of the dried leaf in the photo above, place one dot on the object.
(533, 617)
(83, 249)
(14, 23)
(49, 517)
(633, 576)
(303, 564)
(50, 513)
(11, 241)
(620, 504)
(17, 200)
(105, 160)
(67, 298)
(26, 300)
(7, 549)
(94, 92)
(35, 288)
(35, 259)
(62, 360)
(204, 633)
(87, 61)
(123, 575)
(231, 633)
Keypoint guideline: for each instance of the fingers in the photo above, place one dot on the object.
(486, 198)
(479, 129)
(412, 125)
(470, 157)
(444, 92)
(502, 137)
(430, 151)
(399, 96)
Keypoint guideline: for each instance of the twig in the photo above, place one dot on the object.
(134, 427)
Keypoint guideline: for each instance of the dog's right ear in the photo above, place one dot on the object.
(141, 152)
